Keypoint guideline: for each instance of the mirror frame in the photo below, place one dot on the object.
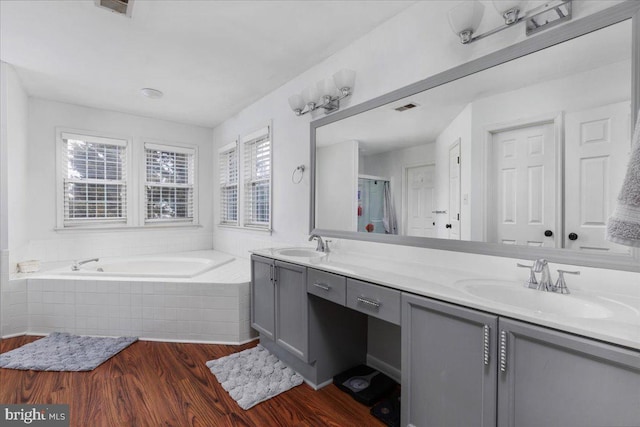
(629, 9)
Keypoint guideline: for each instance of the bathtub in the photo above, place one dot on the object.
(161, 266)
(200, 296)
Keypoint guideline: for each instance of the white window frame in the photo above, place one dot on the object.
(222, 155)
(61, 149)
(244, 216)
(142, 194)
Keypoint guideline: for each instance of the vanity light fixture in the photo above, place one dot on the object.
(465, 18)
(325, 94)
(151, 93)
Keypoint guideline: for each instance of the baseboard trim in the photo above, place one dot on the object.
(18, 334)
(384, 367)
(44, 334)
(317, 387)
(198, 341)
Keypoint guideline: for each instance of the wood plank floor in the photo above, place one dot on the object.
(168, 384)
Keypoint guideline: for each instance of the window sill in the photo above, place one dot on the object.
(119, 227)
(245, 228)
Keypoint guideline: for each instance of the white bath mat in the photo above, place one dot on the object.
(64, 352)
(253, 376)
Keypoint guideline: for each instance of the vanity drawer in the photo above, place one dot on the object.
(374, 300)
(327, 285)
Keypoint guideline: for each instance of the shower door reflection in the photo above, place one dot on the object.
(375, 207)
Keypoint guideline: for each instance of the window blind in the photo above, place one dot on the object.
(228, 166)
(257, 180)
(94, 171)
(169, 183)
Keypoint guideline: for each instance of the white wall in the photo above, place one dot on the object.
(13, 200)
(47, 244)
(337, 186)
(391, 165)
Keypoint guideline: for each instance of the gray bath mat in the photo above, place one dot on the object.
(64, 352)
(253, 376)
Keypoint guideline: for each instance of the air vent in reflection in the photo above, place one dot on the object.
(123, 7)
(406, 107)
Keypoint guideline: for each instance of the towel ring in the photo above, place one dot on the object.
(293, 175)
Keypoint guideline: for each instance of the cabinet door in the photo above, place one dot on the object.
(262, 296)
(291, 308)
(551, 378)
(449, 367)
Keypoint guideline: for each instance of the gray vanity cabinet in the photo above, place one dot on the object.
(263, 290)
(291, 318)
(279, 304)
(551, 378)
(449, 373)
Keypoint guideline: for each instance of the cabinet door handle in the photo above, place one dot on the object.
(486, 335)
(322, 286)
(503, 351)
(367, 301)
(271, 273)
(275, 274)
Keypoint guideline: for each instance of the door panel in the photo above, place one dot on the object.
(523, 186)
(420, 198)
(597, 148)
(556, 379)
(446, 379)
(291, 308)
(454, 192)
(262, 289)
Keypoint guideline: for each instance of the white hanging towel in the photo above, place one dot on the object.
(623, 226)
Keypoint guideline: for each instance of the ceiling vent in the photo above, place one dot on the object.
(122, 7)
(406, 107)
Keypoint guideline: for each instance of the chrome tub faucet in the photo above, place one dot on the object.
(76, 264)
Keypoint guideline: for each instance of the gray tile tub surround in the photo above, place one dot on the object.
(180, 311)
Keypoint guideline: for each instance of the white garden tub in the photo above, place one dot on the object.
(200, 296)
(158, 266)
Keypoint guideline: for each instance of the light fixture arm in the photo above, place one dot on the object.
(513, 17)
(329, 103)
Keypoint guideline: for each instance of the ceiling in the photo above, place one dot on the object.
(384, 129)
(210, 58)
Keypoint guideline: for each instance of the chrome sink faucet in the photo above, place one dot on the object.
(542, 266)
(539, 266)
(322, 245)
(532, 282)
(546, 283)
(76, 264)
(561, 285)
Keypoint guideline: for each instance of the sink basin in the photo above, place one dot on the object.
(514, 294)
(301, 253)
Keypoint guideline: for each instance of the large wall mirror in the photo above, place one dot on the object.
(521, 153)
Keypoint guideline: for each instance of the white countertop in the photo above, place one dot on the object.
(622, 326)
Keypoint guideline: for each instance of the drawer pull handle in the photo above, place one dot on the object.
(486, 343)
(371, 303)
(322, 286)
(503, 351)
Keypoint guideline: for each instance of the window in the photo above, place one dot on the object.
(169, 183)
(94, 180)
(228, 162)
(257, 179)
